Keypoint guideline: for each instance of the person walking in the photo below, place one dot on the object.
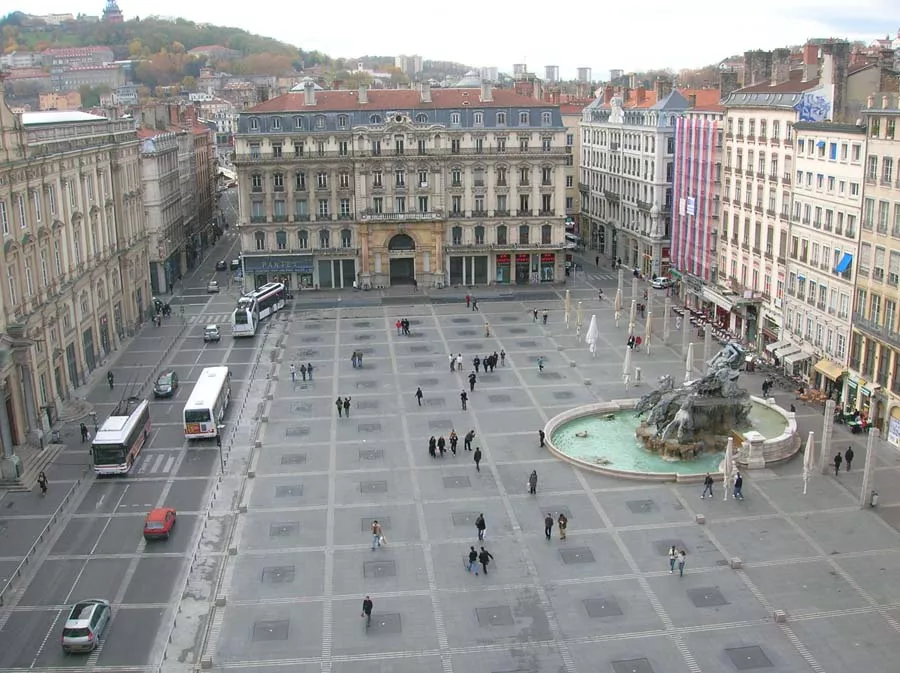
(367, 611)
(452, 363)
(294, 374)
(464, 398)
(454, 441)
(42, 482)
(738, 487)
(548, 526)
(347, 406)
(442, 445)
(485, 557)
(477, 457)
(432, 447)
(480, 526)
(376, 535)
(473, 379)
(502, 358)
(532, 483)
(474, 304)
(682, 557)
(476, 362)
(707, 486)
(339, 403)
(468, 300)
(563, 523)
(309, 370)
(534, 314)
(838, 459)
(673, 559)
(467, 440)
(399, 326)
(540, 363)
(848, 457)
(473, 561)
(597, 260)
(541, 437)
(84, 433)
(303, 371)
(544, 315)
(419, 396)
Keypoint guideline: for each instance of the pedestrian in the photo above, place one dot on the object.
(532, 483)
(473, 561)
(682, 557)
(474, 304)
(468, 300)
(838, 459)
(738, 487)
(563, 523)
(399, 326)
(452, 362)
(477, 457)
(467, 440)
(339, 403)
(848, 457)
(600, 294)
(218, 440)
(459, 362)
(473, 379)
(84, 433)
(294, 373)
(597, 260)
(367, 611)
(476, 362)
(544, 316)
(376, 535)
(707, 486)
(534, 313)
(548, 526)
(353, 359)
(454, 440)
(541, 437)
(463, 397)
(540, 363)
(487, 329)
(432, 447)
(42, 482)
(793, 409)
(442, 445)
(419, 396)
(309, 370)
(303, 371)
(480, 526)
(347, 406)
(503, 358)
(485, 557)
(673, 559)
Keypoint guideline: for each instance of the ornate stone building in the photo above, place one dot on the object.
(74, 262)
(459, 186)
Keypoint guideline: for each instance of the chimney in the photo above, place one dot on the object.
(363, 94)
(555, 96)
(781, 66)
(886, 59)
(608, 93)
(663, 89)
(487, 95)
(835, 63)
(757, 67)
(728, 82)
(309, 94)
(810, 61)
(692, 100)
(632, 80)
(425, 91)
(641, 94)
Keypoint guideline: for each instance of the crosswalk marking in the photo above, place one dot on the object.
(157, 463)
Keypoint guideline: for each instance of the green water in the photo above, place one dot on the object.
(615, 441)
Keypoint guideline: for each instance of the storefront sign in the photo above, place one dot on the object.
(523, 259)
(502, 259)
(278, 264)
(548, 257)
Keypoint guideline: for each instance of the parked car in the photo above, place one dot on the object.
(213, 286)
(221, 265)
(211, 333)
(661, 283)
(87, 621)
(235, 264)
(159, 523)
(166, 384)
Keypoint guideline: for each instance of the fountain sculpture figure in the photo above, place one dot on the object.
(682, 422)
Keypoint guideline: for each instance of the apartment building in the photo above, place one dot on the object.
(74, 261)
(823, 237)
(163, 208)
(873, 383)
(463, 186)
(59, 59)
(571, 118)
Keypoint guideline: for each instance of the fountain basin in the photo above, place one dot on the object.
(773, 439)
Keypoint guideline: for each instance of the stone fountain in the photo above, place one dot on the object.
(683, 422)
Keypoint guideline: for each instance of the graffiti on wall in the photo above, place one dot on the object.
(814, 105)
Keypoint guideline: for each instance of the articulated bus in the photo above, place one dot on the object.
(121, 438)
(206, 406)
(255, 307)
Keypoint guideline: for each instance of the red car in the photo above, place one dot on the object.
(159, 523)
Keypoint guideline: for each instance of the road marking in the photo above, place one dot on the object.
(169, 464)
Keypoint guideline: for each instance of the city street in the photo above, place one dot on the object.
(270, 560)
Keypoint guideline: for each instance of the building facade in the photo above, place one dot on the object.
(571, 118)
(75, 258)
(163, 208)
(823, 237)
(111, 76)
(383, 187)
(874, 378)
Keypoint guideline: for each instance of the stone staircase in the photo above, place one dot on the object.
(33, 461)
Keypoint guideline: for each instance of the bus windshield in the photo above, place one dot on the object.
(196, 415)
(240, 316)
(108, 454)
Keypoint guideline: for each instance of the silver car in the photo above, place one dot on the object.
(87, 621)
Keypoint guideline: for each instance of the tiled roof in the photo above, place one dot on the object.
(395, 99)
(74, 51)
(794, 85)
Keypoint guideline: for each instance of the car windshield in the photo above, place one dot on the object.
(155, 525)
(108, 454)
(76, 633)
(165, 379)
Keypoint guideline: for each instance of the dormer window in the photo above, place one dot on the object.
(320, 121)
(523, 119)
(478, 118)
(546, 118)
(501, 119)
(343, 121)
(374, 119)
(298, 122)
(276, 123)
(254, 123)
(454, 118)
(421, 118)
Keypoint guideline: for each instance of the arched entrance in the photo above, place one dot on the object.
(402, 250)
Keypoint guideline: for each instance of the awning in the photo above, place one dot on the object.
(719, 300)
(799, 356)
(829, 369)
(787, 349)
(771, 348)
(845, 262)
(820, 143)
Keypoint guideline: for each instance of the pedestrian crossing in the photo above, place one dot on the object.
(219, 319)
(150, 463)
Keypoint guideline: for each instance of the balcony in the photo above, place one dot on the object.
(729, 136)
(612, 196)
(546, 213)
(279, 218)
(479, 213)
(262, 158)
(322, 188)
(337, 252)
(876, 331)
(583, 187)
(256, 189)
(739, 137)
(727, 170)
(523, 213)
(760, 175)
(301, 217)
(456, 214)
(257, 219)
(773, 177)
(644, 205)
(410, 216)
(345, 216)
(501, 213)
(770, 212)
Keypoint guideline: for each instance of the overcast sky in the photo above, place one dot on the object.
(631, 35)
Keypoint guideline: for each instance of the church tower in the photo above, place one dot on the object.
(112, 13)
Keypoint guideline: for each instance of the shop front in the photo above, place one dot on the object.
(523, 268)
(547, 267)
(336, 274)
(502, 263)
(893, 429)
(295, 271)
(468, 270)
(827, 375)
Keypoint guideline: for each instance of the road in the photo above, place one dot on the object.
(97, 549)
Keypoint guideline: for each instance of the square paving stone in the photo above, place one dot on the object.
(435, 402)
(414, 321)
(748, 658)
(366, 523)
(367, 350)
(662, 546)
(518, 330)
(302, 407)
(550, 375)
(464, 518)
(306, 353)
(461, 321)
(284, 529)
(423, 364)
(632, 666)
(496, 615)
(387, 623)
(369, 427)
(706, 597)
(368, 404)
(602, 607)
(273, 629)
(563, 395)
(278, 574)
(576, 555)
(509, 318)
(312, 326)
(289, 491)
(472, 347)
(371, 454)
(362, 323)
(440, 425)
(428, 382)
(311, 340)
(457, 482)
(466, 332)
(526, 344)
(497, 399)
(366, 385)
(642, 507)
(296, 431)
(419, 349)
(488, 378)
(293, 459)
(364, 337)
(377, 569)
(373, 487)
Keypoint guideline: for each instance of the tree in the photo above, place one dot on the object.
(89, 96)
(135, 48)
(189, 83)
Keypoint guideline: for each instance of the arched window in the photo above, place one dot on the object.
(254, 123)
(303, 239)
(343, 121)
(501, 119)
(523, 234)
(298, 122)
(546, 234)
(502, 235)
(546, 118)
(346, 238)
(455, 118)
(456, 235)
(478, 119)
(421, 118)
(324, 239)
(276, 123)
(85, 305)
(260, 238)
(479, 234)
(374, 119)
(523, 119)
(320, 122)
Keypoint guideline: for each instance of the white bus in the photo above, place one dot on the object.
(255, 307)
(206, 406)
(120, 439)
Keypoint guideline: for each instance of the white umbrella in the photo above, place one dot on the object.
(568, 306)
(808, 460)
(648, 331)
(592, 336)
(666, 321)
(689, 362)
(728, 467)
(618, 304)
(626, 366)
(578, 320)
(633, 313)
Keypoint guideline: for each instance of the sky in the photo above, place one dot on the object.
(632, 36)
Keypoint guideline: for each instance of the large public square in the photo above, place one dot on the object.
(273, 557)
